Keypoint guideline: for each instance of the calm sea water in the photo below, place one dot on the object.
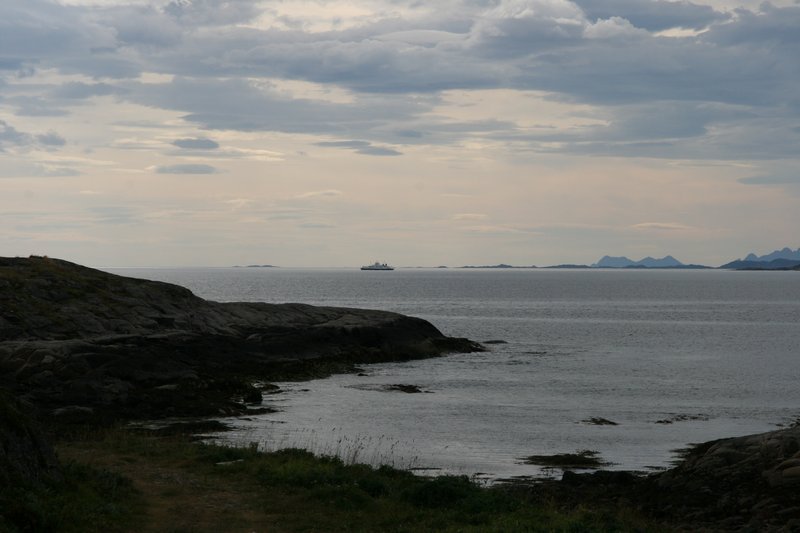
(715, 353)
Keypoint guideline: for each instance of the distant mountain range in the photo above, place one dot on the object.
(785, 259)
(786, 253)
(648, 262)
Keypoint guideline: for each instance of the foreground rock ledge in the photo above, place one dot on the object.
(79, 342)
(749, 483)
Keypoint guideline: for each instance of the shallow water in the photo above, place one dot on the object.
(713, 352)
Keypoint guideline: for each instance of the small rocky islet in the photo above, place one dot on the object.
(79, 346)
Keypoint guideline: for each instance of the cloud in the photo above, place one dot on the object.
(329, 193)
(113, 214)
(361, 147)
(81, 91)
(656, 15)
(196, 144)
(661, 226)
(33, 106)
(11, 136)
(316, 225)
(212, 12)
(252, 106)
(470, 216)
(26, 169)
(186, 168)
(51, 138)
(499, 230)
(772, 179)
(395, 60)
(378, 150)
(613, 28)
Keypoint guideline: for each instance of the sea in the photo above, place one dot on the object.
(631, 364)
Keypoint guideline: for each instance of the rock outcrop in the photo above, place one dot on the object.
(82, 343)
(749, 482)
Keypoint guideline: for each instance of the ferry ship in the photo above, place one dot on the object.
(377, 266)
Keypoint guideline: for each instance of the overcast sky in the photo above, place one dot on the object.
(336, 133)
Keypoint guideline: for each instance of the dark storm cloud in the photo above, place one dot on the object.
(186, 168)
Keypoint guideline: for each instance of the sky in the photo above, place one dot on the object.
(336, 133)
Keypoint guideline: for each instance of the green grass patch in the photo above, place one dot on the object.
(86, 499)
(303, 492)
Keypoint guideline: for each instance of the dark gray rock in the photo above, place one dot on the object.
(71, 335)
(752, 476)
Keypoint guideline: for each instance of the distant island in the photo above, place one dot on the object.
(501, 265)
(785, 259)
(648, 262)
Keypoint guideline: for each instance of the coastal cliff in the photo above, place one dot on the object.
(82, 343)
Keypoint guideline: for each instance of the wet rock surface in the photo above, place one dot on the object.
(84, 345)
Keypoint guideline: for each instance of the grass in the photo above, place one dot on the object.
(87, 499)
(173, 484)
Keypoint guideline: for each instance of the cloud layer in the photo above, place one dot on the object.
(467, 109)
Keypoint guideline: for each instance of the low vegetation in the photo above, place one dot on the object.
(122, 480)
(82, 499)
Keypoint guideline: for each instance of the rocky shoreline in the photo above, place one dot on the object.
(85, 345)
(81, 346)
(747, 483)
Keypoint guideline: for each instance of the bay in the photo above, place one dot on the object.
(671, 356)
